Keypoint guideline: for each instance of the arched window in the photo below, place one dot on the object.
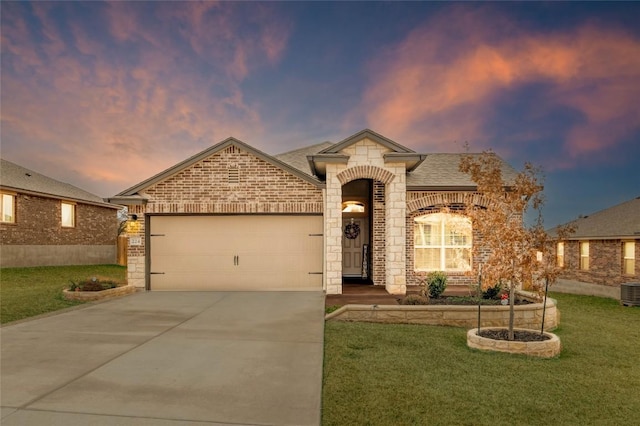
(442, 242)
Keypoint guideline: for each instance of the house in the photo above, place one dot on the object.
(366, 208)
(605, 247)
(46, 222)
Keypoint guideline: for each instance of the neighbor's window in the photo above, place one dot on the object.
(629, 266)
(560, 255)
(584, 255)
(8, 208)
(442, 242)
(68, 215)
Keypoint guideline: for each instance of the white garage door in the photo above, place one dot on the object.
(244, 252)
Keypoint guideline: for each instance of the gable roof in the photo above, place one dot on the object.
(618, 222)
(20, 179)
(134, 190)
(369, 134)
(424, 171)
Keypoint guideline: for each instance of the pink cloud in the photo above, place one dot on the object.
(112, 123)
(436, 87)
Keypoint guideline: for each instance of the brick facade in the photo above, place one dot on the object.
(38, 222)
(605, 263)
(425, 202)
(237, 180)
(37, 238)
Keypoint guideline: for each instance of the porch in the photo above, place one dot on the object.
(363, 294)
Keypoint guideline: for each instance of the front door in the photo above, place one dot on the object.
(355, 234)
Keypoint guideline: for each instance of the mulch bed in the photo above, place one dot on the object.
(518, 335)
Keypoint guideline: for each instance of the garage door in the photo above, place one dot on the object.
(244, 252)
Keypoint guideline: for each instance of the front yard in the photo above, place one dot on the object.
(26, 292)
(379, 374)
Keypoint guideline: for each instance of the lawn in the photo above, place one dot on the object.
(26, 292)
(381, 374)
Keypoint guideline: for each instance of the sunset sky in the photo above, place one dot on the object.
(105, 95)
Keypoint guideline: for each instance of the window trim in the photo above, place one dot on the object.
(625, 258)
(14, 200)
(584, 255)
(560, 254)
(442, 246)
(73, 214)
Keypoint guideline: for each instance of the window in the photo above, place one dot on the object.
(68, 215)
(560, 255)
(629, 261)
(442, 241)
(8, 207)
(584, 255)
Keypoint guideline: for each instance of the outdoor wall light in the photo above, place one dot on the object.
(134, 217)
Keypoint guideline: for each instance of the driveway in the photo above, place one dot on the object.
(168, 358)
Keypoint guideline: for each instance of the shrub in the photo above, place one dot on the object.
(94, 284)
(414, 299)
(436, 283)
(492, 292)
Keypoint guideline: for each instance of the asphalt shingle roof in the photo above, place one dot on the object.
(437, 170)
(620, 221)
(298, 157)
(18, 178)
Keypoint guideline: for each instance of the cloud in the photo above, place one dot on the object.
(111, 94)
(448, 78)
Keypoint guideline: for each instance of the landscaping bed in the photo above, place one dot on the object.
(382, 374)
(27, 292)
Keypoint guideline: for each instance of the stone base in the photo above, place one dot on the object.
(88, 296)
(543, 349)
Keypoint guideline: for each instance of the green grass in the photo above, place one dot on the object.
(383, 374)
(26, 292)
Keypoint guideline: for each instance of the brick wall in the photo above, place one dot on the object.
(206, 187)
(378, 237)
(38, 222)
(424, 202)
(605, 263)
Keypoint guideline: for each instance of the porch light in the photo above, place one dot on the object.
(353, 207)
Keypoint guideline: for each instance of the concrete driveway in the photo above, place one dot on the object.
(168, 358)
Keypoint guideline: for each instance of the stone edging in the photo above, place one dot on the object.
(88, 296)
(543, 349)
(525, 316)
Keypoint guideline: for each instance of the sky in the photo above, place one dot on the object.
(103, 95)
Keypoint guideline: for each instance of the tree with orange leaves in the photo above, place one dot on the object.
(514, 253)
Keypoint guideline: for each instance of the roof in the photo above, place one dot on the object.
(298, 157)
(617, 222)
(20, 179)
(425, 171)
(441, 171)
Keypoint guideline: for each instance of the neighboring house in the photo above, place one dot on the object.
(235, 218)
(46, 222)
(605, 247)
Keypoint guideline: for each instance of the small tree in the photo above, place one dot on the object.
(512, 260)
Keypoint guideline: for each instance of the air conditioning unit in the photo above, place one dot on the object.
(630, 294)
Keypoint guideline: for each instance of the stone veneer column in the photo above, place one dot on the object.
(333, 231)
(395, 208)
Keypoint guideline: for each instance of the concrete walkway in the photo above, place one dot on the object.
(168, 358)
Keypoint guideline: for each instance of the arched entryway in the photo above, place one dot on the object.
(357, 219)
